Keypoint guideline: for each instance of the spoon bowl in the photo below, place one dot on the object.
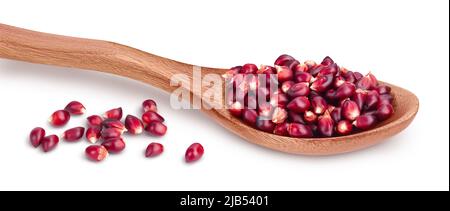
(405, 105)
(37, 47)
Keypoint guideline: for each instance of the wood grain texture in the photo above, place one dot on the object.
(36, 47)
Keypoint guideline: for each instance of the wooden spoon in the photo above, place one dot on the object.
(109, 57)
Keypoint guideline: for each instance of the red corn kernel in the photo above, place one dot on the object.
(327, 61)
(237, 82)
(357, 76)
(360, 98)
(265, 109)
(350, 77)
(325, 125)
(322, 83)
(194, 152)
(249, 116)
(340, 103)
(373, 79)
(329, 70)
(271, 80)
(284, 60)
(350, 110)
(109, 133)
(59, 118)
(344, 127)
(284, 73)
(298, 89)
(383, 89)
(236, 109)
(265, 124)
(75, 108)
(115, 113)
(279, 100)
(250, 102)
(336, 114)
(373, 113)
(315, 71)
(343, 70)
(263, 93)
(156, 128)
(96, 152)
(93, 134)
(114, 145)
(303, 77)
(385, 99)
(36, 136)
(149, 105)
(299, 104)
(279, 115)
(244, 86)
(266, 69)
(293, 65)
(365, 122)
(250, 83)
(310, 63)
(286, 86)
(313, 129)
(367, 82)
(154, 149)
(384, 112)
(271, 83)
(151, 116)
(133, 125)
(281, 129)
(330, 94)
(233, 71)
(74, 134)
(248, 69)
(372, 100)
(299, 130)
(117, 124)
(318, 104)
(339, 81)
(277, 91)
(295, 117)
(309, 116)
(346, 90)
(49, 142)
(247, 82)
(236, 69)
(94, 121)
(300, 68)
(313, 94)
(330, 108)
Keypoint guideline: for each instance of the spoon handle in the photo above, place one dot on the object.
(36, 47)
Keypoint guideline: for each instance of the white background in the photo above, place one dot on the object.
(404, 42)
